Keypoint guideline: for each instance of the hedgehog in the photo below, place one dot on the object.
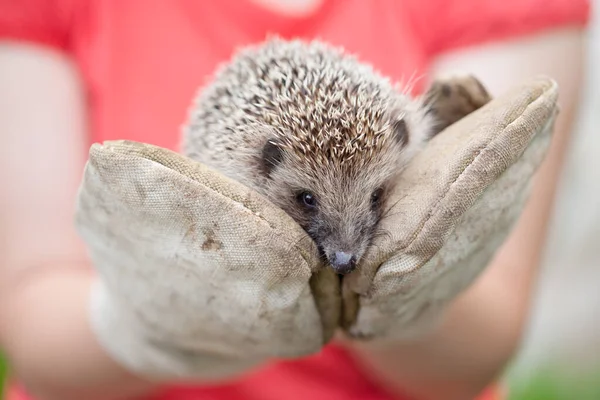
(319, 133)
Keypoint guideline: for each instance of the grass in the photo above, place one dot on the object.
(551, 385)
(2, 376)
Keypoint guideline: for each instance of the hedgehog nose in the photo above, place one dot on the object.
(343, 263)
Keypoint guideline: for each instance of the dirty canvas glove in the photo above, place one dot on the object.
(198, 276)
(455, 204)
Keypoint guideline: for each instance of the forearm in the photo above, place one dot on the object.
(477, 337)
(45, 333)
(44, 326)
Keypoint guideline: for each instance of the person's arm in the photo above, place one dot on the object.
(483, 328)
(44, 278)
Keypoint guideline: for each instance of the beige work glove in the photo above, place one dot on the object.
(200, 277)
(454, 206)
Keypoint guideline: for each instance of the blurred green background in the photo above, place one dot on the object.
(2, 375)
(556, 384)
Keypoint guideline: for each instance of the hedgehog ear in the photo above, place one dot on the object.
(271, 156)
(400, 131)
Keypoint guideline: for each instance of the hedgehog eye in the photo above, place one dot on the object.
(307, 199)
(376, 197)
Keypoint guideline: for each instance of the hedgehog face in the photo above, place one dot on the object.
(342, 221)
(337, 204)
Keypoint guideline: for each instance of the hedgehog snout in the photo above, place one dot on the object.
(342, 262)
(343, 244)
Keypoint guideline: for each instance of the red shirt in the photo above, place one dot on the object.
(142, 62)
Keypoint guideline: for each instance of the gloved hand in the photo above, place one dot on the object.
(455, 204)
(198, 277)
